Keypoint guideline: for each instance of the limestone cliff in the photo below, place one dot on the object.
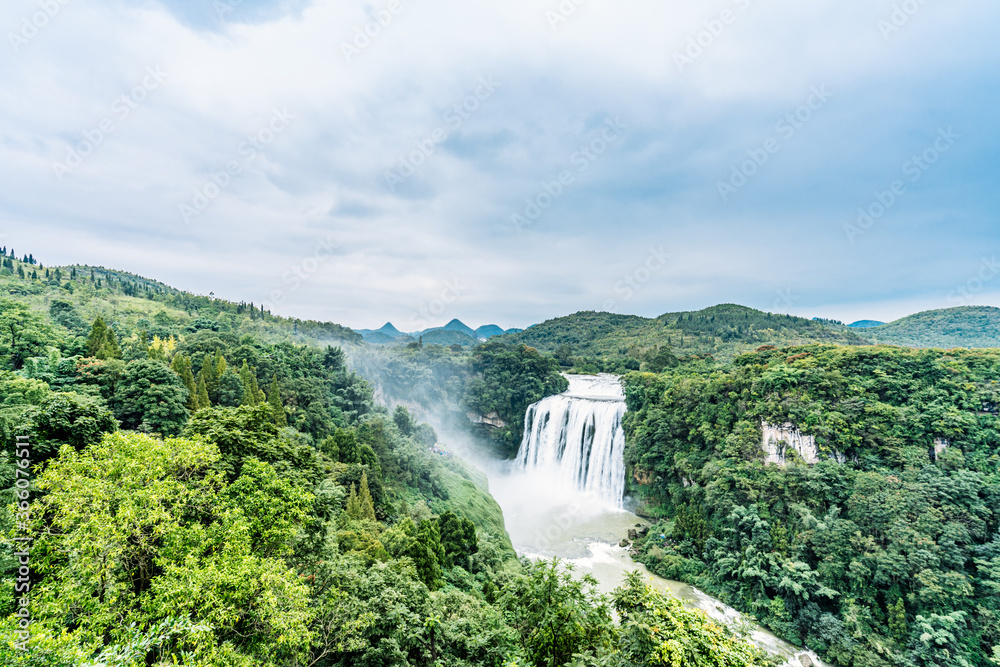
(780, 441)
(491, 419)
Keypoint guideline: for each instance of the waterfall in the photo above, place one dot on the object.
(576, 438)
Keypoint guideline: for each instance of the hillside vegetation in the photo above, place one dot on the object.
(967, 326)
(887, 552)
(200, 488)
(609, 342)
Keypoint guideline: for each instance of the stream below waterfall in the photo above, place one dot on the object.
(560, 501)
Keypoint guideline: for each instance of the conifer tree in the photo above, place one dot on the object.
(203, 401)
(102, 342)
(353, 508)
(220, 364)
(182, 366)
(274, 399)
(366, 508)
(208, 373)
(427, 554)
(98, 335)
(251, 392)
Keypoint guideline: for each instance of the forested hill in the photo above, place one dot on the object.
(622, 342)
(133, 303)
(967, 326)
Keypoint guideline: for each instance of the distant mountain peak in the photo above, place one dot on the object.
(389, 330)
(458, 325)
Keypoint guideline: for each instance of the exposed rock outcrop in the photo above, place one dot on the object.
(785, 444)
(491, 419)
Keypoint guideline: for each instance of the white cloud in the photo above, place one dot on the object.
(325, 172)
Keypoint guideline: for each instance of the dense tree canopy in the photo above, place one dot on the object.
(883, 553)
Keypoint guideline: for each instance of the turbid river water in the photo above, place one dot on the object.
(586, 533)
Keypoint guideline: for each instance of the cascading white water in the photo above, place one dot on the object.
(576, 439)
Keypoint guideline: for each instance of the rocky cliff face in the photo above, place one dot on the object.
(492, 419)
(779, 443)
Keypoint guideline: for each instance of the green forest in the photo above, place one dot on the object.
(202, 483)
(591, 342)
(887, 552)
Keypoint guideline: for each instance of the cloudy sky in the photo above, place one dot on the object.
(507, 162)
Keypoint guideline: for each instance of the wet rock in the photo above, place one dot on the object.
(624, 543)
(806, 660)
(633, 534)
(644, 531)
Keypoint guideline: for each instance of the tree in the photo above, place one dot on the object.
(661, 630)
(897, 620)
(149, 392)
(403, 420)
(102, 343)
(230, 392)
(249, 432)
(556, 615)
(251, 392)
(182, 366)
(274, 401)
(68, 419)
(23, 334)
(427, 554)
(134, 530)
(209, 375)
(366, 508)
(458, 539)
(345, 444)
(201, 398)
